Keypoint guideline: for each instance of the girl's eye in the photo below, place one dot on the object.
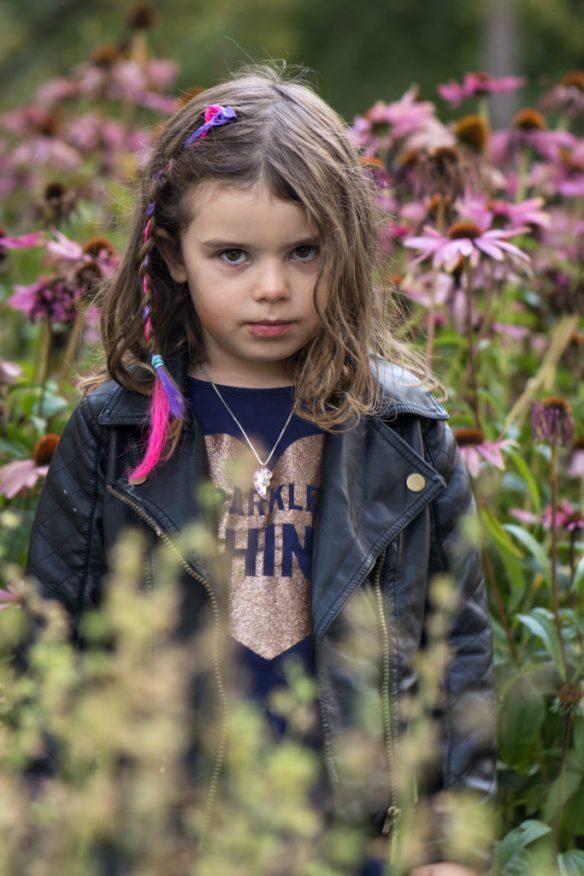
(310, 247)
(226, 254)
(230, 261)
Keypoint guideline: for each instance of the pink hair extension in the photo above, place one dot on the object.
(167, 402)
(159, 418)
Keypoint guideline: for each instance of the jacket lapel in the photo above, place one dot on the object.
(364, 499)
(364, 503)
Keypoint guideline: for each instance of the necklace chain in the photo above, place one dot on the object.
(261, 461)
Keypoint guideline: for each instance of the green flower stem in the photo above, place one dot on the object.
(567, 732)
(524, 165)
(72, 346)
(44, 359)
(472, 364)
(554, 558)
(495, 590)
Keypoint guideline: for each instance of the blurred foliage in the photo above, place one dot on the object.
(358, 54)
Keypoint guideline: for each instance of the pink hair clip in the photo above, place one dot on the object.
(214, 115)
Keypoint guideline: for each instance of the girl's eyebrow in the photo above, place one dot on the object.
(231, 244)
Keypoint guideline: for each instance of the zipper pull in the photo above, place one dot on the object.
(392, 815)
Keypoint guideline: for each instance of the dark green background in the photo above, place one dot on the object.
(359, 51)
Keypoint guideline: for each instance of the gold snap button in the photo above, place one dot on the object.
(416, 482)
(135, 481)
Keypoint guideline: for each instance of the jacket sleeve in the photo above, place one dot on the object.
(66, 552)
(467, 706)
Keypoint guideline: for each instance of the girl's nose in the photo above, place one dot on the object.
(272, 284)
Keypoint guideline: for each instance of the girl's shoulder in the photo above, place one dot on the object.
(403, 391)
(114, 404)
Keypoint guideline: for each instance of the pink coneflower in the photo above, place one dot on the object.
(9, 371)
(568, 96)
(112, 77)
(552, 421)
(12, 596)
(473, 131)
(483, 210)
(47, 150)
(384, 123)
(529, 130)
(567, 516)
(23, 241)
(565, 176)
(517, 332)
(97, 258)
(24, 473)
(575, 467)
(474, 447)
(55, 91)
(19, 475)
(478, 84)
(527, 212)
(468, 240)
(50, 297)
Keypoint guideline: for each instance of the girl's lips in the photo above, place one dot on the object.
(268, 331)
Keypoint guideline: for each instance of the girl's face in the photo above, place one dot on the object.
(249, 257)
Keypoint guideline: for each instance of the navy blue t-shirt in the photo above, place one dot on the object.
(269, 541)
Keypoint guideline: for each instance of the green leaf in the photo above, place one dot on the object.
(571, 863)
(522, 714)
(527, 476)
(533, 546)
(540, 621)
(518, 839)
(450, 339)
(573, 817)
(567, 785)
(499, 535)
(578, 576)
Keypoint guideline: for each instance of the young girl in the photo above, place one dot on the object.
(246, 322)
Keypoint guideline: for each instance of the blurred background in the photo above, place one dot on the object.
(359, 52)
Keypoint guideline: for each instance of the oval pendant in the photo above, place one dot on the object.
(261, 481)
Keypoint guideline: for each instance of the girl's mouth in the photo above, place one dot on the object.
(269, 330)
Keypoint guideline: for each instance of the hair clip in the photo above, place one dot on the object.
(214, 115)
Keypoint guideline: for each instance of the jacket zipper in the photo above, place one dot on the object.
(388, 699)
(213, 785)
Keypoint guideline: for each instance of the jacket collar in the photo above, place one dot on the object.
(404, 397)
(364, 500)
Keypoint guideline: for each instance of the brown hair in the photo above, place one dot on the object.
(290, 139)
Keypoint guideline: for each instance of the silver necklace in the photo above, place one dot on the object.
(263, 475)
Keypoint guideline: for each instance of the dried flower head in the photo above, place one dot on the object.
(551, 420)
(462, 229)
(466, 436)
(472, 131)
(444, 170)
(48, 124)
(141, 17)
(438, 203)
(44, 448)
(570, 696)
(529, 120)
(96, 245)
(574, 79)
(57, 203)
(105, 55)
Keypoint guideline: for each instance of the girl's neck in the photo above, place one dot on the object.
(226, 378)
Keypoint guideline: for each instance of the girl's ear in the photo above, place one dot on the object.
(172, 255)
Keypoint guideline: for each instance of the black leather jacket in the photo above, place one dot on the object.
(393, 490)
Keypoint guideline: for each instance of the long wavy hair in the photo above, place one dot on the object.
(288, 138)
